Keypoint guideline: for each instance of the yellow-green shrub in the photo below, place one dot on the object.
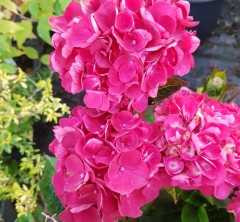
(24, 99)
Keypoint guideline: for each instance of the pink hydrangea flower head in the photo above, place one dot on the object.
(106, 162)
(122, 50)
(198, 143)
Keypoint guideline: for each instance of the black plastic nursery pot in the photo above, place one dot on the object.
(207, 13)
(7, 211)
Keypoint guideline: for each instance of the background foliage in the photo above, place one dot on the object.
(24, 27)
(26, 97)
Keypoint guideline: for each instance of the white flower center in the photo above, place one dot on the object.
(134, 42)
(122, 169)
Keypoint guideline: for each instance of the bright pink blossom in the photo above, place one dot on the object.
(106, 164)
(61, 23)
(76, 176)
(127, 172)
(199, 145)
(122, 50)
(82, 33)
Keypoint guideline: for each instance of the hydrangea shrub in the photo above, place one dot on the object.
(111, 161)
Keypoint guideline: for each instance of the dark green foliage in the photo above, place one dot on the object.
(46, 187)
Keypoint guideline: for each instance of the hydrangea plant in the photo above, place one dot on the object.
(111, 161)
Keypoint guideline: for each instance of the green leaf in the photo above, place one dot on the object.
(34, 8)
(45, 59)
(5, 46)
(9, 27)
(215, 85)
(60, 6)
(149, 117)
(172, 85)
(24, 7)
(197, 199)
(30, 52)
(8, 148)
(64, 3)
(185, 194)
(163, 209)
(46, 187)
(190, 213)
(37, 214)
(28, 218)
(202, 214)
(44, 28)
(57, 8)
(8, 68)
(220, 203)
(14, 52)
(47, 6)
(220, 215)
(11, 6)
(22, 35)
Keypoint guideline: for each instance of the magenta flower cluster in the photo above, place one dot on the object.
(200, 143)
(122, 49)
(111, 162)
(108, 165)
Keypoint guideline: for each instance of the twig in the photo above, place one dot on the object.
(26, 18)
(49, 217)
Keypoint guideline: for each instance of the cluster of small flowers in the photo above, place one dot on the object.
(110, 161)
(122, 49)
(200, 144)
(108, 165)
